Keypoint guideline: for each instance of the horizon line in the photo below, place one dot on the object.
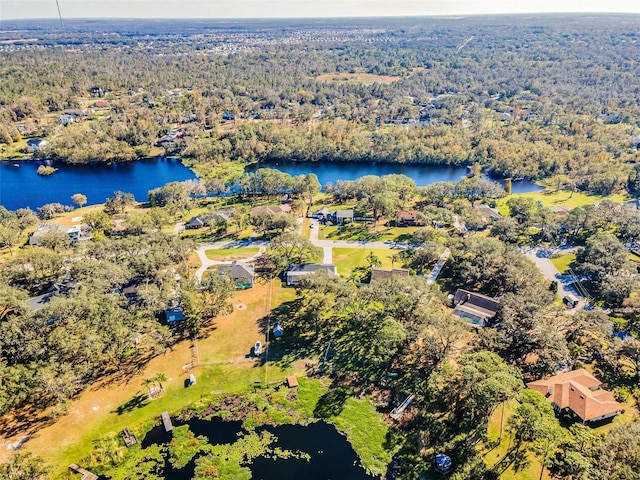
(322, 17)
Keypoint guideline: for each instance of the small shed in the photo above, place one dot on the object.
(292, 381)
(277, 330)
(175, 314)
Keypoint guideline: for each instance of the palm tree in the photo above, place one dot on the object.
(148, 381)
(373, 260)
(396, 258)
(159, 378)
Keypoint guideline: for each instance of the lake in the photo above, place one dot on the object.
(22, 186)
(330, 454)
(330, 172)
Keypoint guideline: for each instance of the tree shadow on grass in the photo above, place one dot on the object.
(139, 400)
(331, 403)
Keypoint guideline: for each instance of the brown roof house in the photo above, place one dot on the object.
(378, 274)
(579, 392)
(475, 307)
(406, 218)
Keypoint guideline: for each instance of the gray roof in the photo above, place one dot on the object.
(475, 304)
(237, 271)
(488, 211)
(196, 221)
(343, 214)
(308, 268)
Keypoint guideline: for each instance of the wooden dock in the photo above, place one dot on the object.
(166, 421)
(130, 438)
(86, 474)
(397, 412)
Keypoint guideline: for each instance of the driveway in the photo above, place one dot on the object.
(541, 257)
(207, 263)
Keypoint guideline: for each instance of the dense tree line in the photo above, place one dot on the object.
(87, 328)
(505, 101)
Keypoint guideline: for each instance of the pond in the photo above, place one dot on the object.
(330, 172)
(328, 453)
(21, 186)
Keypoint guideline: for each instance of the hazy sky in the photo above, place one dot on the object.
(11, 9)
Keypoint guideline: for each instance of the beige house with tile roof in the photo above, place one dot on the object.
(580, 392)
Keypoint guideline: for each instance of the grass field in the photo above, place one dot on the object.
(361, 232)
(493, 455)
(563, 262)
(12, 152)
(347, 259)
(120, 400)
(367, 432)
(550, 198)
(225, 367)
(230, 254)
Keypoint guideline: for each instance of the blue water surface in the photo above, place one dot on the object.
(21, 186)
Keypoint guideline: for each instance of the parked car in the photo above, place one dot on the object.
(257, 348)
(570, 301)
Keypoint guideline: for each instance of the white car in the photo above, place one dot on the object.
(257, 348)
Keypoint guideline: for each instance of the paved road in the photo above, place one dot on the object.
(433, 276)
(206, 262)
(541, 257)
(326, 245)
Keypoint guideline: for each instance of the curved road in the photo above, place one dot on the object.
(326, 245)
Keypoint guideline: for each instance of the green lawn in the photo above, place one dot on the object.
(367, 432)
(563, 262)
(347, 259)
(351, 232)
(493, 455)
(361, 231)
(550, 198)
(228, 254)
(363, 426)
(12, 152)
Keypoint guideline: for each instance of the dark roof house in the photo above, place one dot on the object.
(320, 213)
(195, 222)
(476, 307)
(175, 314)
(579, 392)
(241, 273)
(37, 144)
(296, 272)
(340, 216)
